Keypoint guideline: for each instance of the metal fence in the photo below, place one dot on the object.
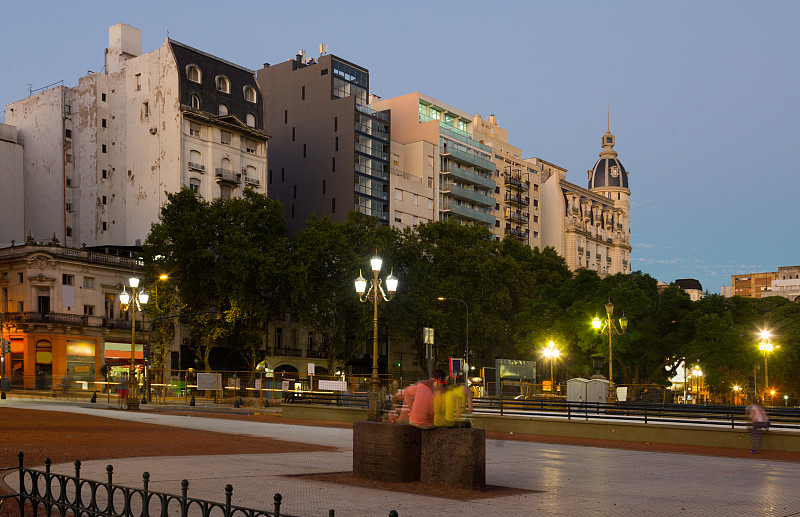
(62, 494)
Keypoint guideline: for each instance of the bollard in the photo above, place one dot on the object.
(93, 400)
(191, 402)
(144, 399)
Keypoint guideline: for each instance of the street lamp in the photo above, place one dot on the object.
(697, 373)
(466, 356)
(766, 347)
(736, 390)
(375, 293)
(608, 325)
(133, 302)
(551, 352)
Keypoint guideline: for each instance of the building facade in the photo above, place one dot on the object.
(435, 144)
(752, 285)
(330, 150)
(12, 198)
(101, 155)
(589, 227)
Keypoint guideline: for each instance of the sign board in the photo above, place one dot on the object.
(235, 382)
(258, 384)
(285, 386)
(427, 335)
(333, 385)
(455, 366)
(209, 381)
(311, 368)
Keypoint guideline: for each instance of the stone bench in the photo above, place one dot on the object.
(399, 452)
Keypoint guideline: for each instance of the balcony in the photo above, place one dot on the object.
(520, 233)
(228, 176)
(467, 213)
(468, 176)
(197, 167)
(46, 317)
(469, 195)
(514, 199)
(362, 189)
(373, 173)
(516, 216)
(469, 159)
(251, 182)
(288, 352)
(121, 324)
(516, 182)
(316, 354)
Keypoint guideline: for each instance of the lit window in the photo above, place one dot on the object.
(223, 84)
(196, 102)
(223, 110)
(249, 94)
(193, 73)
(251, 120)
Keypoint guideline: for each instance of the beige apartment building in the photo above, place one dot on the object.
(98, 157)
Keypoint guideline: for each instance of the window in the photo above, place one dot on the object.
(88, 310)
(69, 231)
(195, 101)
(398, 217)
(103, 97)
(194, 129)
(336, 123)
(414, 199)
(223, 84)
(250, 94)
(104, 226)
(103, 123)
(225, 137)
(67, 133)
(104, 148)
(249, 146)
(430, 204)
(67, 279)
(194, 185)
(430, 182)
(323, 186)
(104, 174)
(69, 182)
(282, 174)
(285, 116)
(398, 194)
(225, 192)
(223, 110)
(333, 205)
(294, 134)
(20, 278)
(138, 78)
(88, 282)
(68, 158)
(305, 153)
(193, 74)
(294, 191)
(278, 337)
(336, 145)
(250, 120)
(146, 109)
(333, 164)
(303, 94)
(103, 200)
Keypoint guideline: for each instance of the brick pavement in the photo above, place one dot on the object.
(565, 480)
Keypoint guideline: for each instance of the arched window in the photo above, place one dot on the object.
(251, 172)
(195, 160)
(223, 109)
(193, 74)
(223, 84)
(195, 102)
(194, 185)
(250, 94)
(251, 120)
(225, 165)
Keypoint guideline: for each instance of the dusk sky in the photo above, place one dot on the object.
(704, 97)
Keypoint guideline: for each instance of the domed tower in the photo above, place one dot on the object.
(608, 177)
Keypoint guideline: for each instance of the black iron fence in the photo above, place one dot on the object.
(49, 493)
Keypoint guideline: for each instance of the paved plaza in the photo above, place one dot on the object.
(564, 480)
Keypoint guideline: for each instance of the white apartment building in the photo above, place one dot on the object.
(99, 157)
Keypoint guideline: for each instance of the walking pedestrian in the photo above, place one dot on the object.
(758, 422)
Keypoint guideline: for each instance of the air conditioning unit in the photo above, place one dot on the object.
(153, 130)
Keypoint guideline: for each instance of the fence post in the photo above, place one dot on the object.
(277, 502)
(184, 495)
(20, 456)
(228, 495)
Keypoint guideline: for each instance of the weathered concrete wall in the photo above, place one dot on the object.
(12, 210)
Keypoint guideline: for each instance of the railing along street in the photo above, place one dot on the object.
(63, 494)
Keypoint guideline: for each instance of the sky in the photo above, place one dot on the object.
(703, 97)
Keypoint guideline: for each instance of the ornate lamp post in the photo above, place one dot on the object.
(551, 352)
(375, 293)
(608, 325)
(697, 374)
(133, 302)
(466, 338)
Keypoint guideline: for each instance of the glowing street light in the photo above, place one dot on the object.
(608, 325)
(133, 302)
(374, 294)
(766, 347)
(551, 352)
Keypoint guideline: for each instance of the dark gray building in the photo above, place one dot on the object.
(329, 152)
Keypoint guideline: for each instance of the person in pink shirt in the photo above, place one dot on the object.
(418, 398)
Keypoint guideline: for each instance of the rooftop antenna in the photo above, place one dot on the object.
(30, 89)
(323, 49)
(608, 118)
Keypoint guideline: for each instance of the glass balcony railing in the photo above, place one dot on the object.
(465, 212)
(371, 131)
(372, 112)
(373, 173)
(362, 189)
(467, 194)
(468, 176)
(469, 159)
(462, 136)
(370, 151)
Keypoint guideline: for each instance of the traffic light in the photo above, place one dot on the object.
(6, 346)
(399, 364)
